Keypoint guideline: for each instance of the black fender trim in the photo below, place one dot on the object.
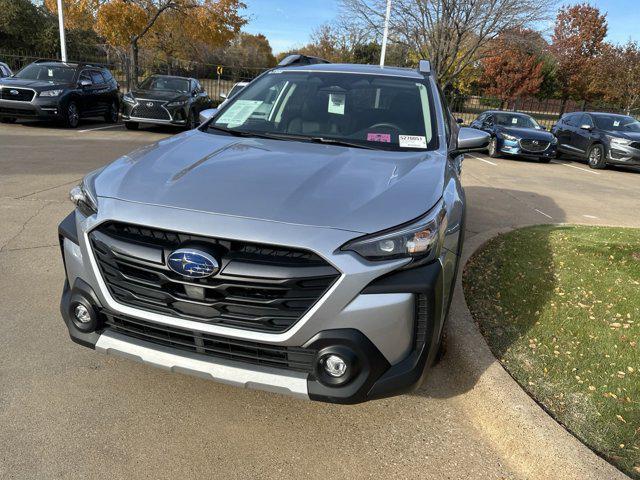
(80, 289)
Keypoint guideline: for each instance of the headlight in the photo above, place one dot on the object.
(621, 142)
(508, 137)
(127, 98)
(177, 103)
(84, 195)
(51, 93)
(420, 240)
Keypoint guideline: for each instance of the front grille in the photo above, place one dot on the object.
(16, 94)
(155, 111)
(288, 358)
(258, 287)
(534, 145)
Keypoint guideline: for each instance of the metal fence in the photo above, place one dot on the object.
(546, 111)
(216, 79)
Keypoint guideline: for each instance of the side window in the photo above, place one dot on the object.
(586, 120)
(107, 75)
(489, 120)
(84, 75)
(96, 77)
(481, 118)
(571, 120)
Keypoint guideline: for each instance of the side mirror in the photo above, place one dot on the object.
(472, 139)
(207, 114)
(223, 96)
(459, 121)
(85, 83)
(586, 127)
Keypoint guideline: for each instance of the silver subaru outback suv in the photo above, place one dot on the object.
(303, 240)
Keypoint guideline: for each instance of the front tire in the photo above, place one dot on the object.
(131, 125)
(71, 115)
(596, 157)
(493, 148)
(112, 113)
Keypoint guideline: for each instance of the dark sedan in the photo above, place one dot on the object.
(599, 138)
(516, 134)
(165, 100)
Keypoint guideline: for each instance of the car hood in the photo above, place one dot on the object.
(35, 84)
(528, 133)
(635, 136)
(282, 181)
(162, 95)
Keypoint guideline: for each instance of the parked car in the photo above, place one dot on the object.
(225, 97)
(5, 71)
(311, 251)
(516, 135)
(165, 100)
(65, 92)
(599, 138)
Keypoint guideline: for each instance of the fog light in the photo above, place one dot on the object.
(82, 313)
(334, 365)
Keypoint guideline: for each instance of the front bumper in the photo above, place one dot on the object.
(163, 115)
(623, 155)
(515, 149)
(390, 320)
(38, 109)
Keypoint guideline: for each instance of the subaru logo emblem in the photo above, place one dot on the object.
(14, 92)
(192, 263)
(149, 104)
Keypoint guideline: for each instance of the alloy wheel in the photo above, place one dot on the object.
(72, 115)
(594, 156)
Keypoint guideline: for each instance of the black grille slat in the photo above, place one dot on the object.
(22, 95)
(289, 358)
(534, 145)
(268, 288)
(156, 111)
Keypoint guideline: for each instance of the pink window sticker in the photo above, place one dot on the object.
(379, 137)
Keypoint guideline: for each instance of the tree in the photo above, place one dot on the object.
(577, 41)
(130, 23)
(514, 66)
(621, 84)
(21, 24)
(452, 34)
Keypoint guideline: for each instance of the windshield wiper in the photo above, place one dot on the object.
(344, 143)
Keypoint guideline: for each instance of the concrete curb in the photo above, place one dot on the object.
(531, 442)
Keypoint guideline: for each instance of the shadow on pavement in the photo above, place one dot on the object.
(468, 355)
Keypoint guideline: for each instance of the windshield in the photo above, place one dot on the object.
(370, 111)
(236, 88)
(517, 121)
(617, 123)
(56, 73)
(166, 83)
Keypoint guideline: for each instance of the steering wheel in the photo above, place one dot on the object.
(384, 125)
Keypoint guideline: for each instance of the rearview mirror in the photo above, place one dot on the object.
(207, 114)
(472, 139)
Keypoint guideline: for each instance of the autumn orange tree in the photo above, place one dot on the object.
(173, 24)
(577, 42)
(621, 84)
(513, 64)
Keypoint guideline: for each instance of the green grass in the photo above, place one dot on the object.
(560, 308)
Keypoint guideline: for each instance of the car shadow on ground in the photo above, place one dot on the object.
(468, 355)
(95, 123)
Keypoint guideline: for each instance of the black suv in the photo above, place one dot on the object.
(46, 90)
(599, 138)
(165, 100)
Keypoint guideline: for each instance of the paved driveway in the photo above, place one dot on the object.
(67, 412)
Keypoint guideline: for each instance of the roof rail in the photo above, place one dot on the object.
(299, 59)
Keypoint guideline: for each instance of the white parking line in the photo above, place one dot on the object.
(577, 168)
(99, 128)
(589, 216)
(542, 213)
(483, 160)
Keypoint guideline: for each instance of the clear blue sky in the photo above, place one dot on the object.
(288, 23)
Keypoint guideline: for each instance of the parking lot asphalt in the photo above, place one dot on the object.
(68, 412)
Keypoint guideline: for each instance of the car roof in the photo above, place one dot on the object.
(598, 114)
(506, 111)
(171, 76)
(357, 68)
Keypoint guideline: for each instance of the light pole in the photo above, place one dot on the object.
(63, 43)
(384, 35)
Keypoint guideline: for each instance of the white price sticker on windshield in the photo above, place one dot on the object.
(616, 123)
(514, 120)
(412, 141)
(239, 112)
(336, 103)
